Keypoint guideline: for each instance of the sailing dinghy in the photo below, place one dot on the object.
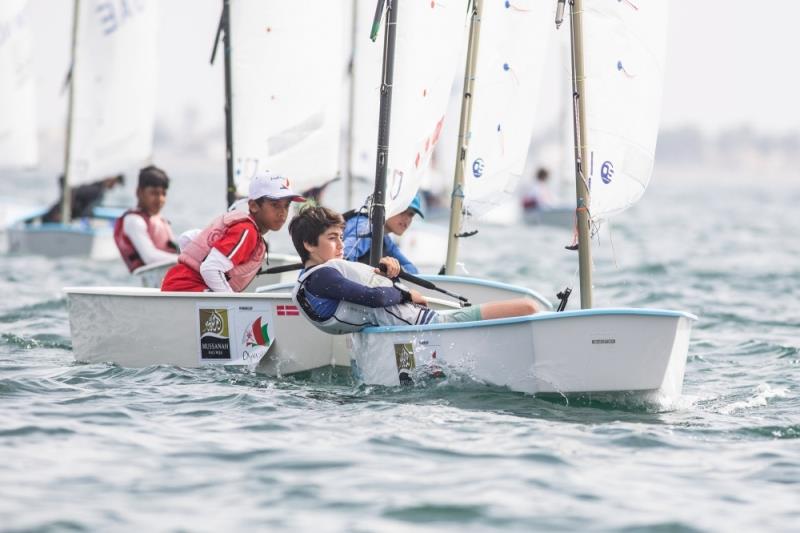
(618, 59)
(280, 121)
(110, 121)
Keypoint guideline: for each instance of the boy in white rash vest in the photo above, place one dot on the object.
(340, 296)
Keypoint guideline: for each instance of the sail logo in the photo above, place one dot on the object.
(478, 167)
(113, 14)
(607, 172)
(215, 340)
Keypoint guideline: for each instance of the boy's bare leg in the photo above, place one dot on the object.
(508, 308)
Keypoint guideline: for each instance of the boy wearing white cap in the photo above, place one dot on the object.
(226, 255)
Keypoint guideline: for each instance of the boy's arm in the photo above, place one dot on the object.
(213, 269)
(329, 283)
(355, 244)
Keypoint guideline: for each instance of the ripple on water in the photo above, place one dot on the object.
(433, 513)
(48, 308)
(32, 430)
(36, 341)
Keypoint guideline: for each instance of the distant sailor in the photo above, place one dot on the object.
(358, 235)
(142, 235)
(226, 256)
(538, 195)
(339, 296)
(83, 198)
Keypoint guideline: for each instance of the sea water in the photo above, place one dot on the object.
(98, 447)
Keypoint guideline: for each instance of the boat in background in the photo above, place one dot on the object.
(110, 124)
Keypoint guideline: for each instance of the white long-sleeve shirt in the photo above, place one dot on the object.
(135, 228)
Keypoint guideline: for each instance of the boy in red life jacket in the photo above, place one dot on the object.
(142, 235)
(226, 256)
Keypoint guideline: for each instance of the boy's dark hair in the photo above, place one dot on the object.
(309, 224)
(152, 176)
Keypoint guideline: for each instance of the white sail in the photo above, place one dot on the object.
(113, 88)
(287, 69)
(514, 41)
(429, 37)
(367, 82)
(624, 51)
(18, 143)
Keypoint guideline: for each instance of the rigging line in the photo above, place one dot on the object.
(611, 241)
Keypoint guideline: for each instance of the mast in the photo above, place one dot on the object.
(583, 200)
(378, 210)
(348, 165)
(457, 198)
(224, 29)
(226, 26)
(66, 198)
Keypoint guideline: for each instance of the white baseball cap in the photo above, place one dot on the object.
(272, 186)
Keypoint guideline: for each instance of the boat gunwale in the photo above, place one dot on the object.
(578, 313)
(138, 292)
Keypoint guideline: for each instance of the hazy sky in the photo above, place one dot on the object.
(724, 62)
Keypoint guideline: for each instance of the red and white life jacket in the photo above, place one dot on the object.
(197, 250)
(157, 228)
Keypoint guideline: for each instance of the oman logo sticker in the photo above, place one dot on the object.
(256, 340)
(257, 334)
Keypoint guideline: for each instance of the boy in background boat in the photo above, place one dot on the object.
(83, 198)
(358, 235)
(226, 256)
(142, 235)
(340, 296)
(538, 195)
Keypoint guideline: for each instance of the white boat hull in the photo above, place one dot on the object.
(56, 240)
(601, 350)
(137, 327)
